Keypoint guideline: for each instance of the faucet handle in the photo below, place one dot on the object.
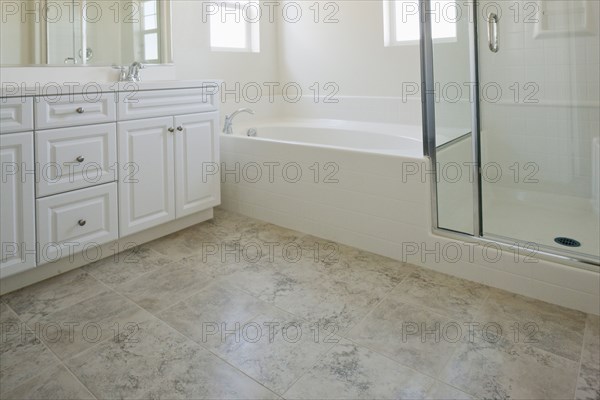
(122, 72)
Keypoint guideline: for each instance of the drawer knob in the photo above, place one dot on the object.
(171, 130)
(81, 222)
(80, 159)
(180, 128)
(80, 110)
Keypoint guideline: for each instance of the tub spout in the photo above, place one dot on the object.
(228, 127)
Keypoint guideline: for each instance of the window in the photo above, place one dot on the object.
(150, 30)
(234, 26)
(402, 21)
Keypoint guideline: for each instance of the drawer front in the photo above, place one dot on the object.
(73, 222)
(159, 103)
(75, 158)
(16, 114)
(95, 108)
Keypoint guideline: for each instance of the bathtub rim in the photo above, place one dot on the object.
(342, 125)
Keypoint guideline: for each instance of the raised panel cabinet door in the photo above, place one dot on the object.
(197, 178)
(146, 174)
(17, 204)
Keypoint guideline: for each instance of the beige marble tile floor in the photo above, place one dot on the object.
(236, 308)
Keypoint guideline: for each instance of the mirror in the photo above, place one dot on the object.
(85, 32)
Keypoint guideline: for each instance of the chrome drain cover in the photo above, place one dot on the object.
(565, 241)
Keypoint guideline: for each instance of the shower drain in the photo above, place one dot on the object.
(567, 242)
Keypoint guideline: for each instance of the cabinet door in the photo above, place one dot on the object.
(17, 206)
(197, 179)
(146, 174)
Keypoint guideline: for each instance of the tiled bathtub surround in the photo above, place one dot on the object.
(209, 312)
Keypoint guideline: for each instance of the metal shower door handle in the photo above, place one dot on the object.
(493, 32)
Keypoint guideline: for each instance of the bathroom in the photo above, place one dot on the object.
(251, 199)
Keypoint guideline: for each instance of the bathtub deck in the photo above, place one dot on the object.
(202, 314)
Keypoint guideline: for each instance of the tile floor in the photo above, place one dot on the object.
(236, 308)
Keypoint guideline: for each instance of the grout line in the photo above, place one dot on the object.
(477, 313)
(147, 245)
(60, 362)
(199, 344)
(346, 335)
(109, 338)
(374, 307)
(36, 316)
(171, 262)
(581, 357)
(267, 305)
(307, 370)
(435, 378)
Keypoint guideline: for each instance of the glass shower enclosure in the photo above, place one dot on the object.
(512, 123)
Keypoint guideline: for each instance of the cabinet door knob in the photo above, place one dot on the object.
(180, 128)
(81, 222)
(171, 130)
(80, 159)
(80, 110)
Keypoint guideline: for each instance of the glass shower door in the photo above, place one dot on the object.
(539, 124)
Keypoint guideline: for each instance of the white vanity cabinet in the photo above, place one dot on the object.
(17, 204)
(83, 171)
(165, 164)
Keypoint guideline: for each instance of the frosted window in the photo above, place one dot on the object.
(151, 46)
(403, 20)
(407, 21)
(150, 22)
(232, 27)
(150, 7)
(226, 32)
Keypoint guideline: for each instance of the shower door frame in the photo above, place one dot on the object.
(428, 95)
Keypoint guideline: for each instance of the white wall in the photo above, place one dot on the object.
(195, 60)
(351, 54)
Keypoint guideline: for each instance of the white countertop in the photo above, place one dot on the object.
(12, 89)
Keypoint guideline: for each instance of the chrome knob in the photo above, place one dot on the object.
(80, 110)
(80, 159)
(81, 222)
(171, 130)
(180, 128)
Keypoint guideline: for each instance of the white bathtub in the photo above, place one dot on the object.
(391, 139)
(350, 189)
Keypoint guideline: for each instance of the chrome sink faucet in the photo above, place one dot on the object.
(131, 73)
(228, 127)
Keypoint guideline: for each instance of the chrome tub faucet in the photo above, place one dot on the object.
(228, 127)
